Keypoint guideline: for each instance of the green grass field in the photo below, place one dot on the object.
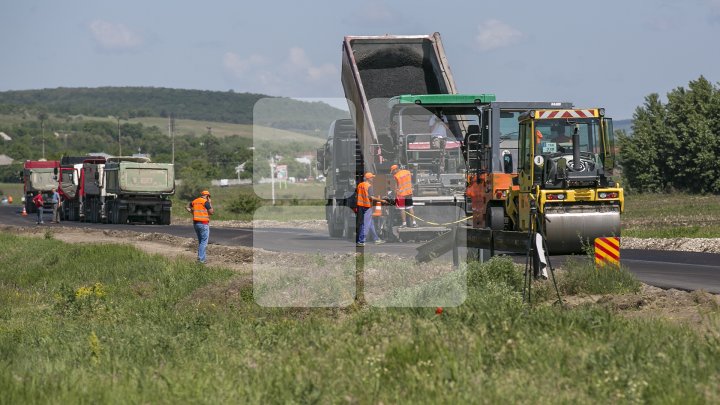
(222, 129)
(109, 324)
(671, 216)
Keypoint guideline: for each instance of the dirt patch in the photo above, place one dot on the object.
(236, 258)
(697, 309)
(308, 225)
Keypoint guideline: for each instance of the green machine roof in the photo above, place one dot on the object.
(443, 99)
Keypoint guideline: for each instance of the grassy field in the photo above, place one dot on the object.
(299, 201)
(222, 129)
(671, 216)
(107, 323)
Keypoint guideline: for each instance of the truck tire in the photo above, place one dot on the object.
(496, 218)
(122, 216)
(349, 227)
(165, 218)
(336, 225)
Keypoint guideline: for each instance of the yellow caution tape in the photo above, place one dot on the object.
(435, 223)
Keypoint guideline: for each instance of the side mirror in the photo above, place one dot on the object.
(55, 171)
(507, 163)
(97, 176)
(515, 181)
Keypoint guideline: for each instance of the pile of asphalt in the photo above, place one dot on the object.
(392, 71)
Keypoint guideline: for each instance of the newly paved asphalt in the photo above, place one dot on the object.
(665, 269)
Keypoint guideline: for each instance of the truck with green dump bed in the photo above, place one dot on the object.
(39, 177)
(137, 190)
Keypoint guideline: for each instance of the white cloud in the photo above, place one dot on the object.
(238, 66)
(375, 12)
(114, 36)
(294, 75)
(299, 62)
(493, 34)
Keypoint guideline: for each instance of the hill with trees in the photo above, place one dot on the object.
(202, 105)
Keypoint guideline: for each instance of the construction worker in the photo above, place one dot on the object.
(365, 201)
(403, 193)
(55, 199)
(201, 209)
(39, 203)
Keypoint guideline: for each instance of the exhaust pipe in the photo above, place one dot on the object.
(576, 148)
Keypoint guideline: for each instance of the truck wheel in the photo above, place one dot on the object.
(165, 218)
(350, 227)
(336, 223)
(122, 217)
(496, 218)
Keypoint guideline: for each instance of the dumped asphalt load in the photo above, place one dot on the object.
(396, 70)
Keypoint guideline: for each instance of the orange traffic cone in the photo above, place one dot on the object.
(378, 209)
(24, 213)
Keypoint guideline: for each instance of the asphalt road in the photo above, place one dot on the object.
(665, 269)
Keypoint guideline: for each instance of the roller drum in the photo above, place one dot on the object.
(568, 228)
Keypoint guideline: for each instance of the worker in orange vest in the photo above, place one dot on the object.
(201, 209)
(403, 193)
(365, 199)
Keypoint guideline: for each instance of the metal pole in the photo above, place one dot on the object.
(171, 128)
(119, 144)
(272, 177)
(42, 125)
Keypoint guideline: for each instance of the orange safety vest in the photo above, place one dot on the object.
(200, 213)
(363, 195)
(404, 183)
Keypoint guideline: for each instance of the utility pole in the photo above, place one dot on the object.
(171, 128)
(42, 125)
(119, 144)
(272, 178)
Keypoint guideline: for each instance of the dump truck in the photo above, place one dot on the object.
(72, 186)
(93, 175)
(137, 190)
(374, 70)
(39, 177)
(565, 189)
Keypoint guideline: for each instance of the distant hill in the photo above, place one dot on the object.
(625, 125)
(201, 105)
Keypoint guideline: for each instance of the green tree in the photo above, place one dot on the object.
(677, 145)
(642, 166)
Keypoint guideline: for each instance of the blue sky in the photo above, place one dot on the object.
(609, 54)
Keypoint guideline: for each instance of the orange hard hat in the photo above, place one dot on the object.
(369, 175)
(205, 192)
(393, 167)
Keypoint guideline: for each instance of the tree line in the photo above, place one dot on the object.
(675, 146)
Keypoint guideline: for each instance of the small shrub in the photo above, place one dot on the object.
(584, 278)
(499, 270)
(191, 187)
(244, 204)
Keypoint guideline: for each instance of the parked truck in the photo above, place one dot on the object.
(72, 186)
(374, 70)
(39, 177)
(137, 190)
(93, 179)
